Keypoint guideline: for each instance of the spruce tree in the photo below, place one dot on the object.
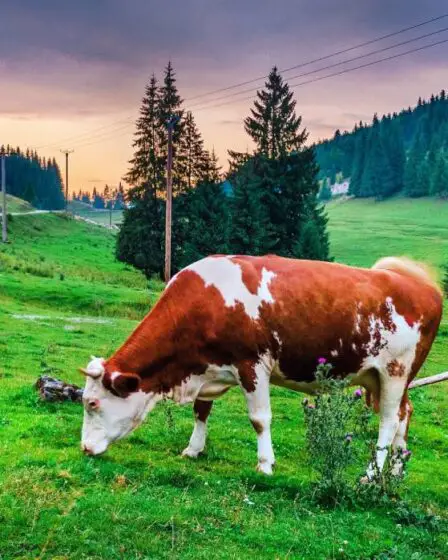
(147, 165)
(273, 124)
(209, 224)
(439, 179)
(170, 105)
(252, 231)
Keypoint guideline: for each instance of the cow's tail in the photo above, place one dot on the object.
(408, 267)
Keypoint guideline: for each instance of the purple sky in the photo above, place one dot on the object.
(67, 69)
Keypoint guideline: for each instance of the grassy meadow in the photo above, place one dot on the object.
(63, 297)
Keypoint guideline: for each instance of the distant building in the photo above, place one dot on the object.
(340, 188)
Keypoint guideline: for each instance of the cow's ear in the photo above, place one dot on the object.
(126, 383)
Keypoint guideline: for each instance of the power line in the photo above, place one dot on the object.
(346, 71)
(317, 79)
(240, 84)
(320, 59)
(359, 57)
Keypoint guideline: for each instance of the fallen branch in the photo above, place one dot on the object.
(429, 380)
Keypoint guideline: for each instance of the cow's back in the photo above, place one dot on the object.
(233, 310)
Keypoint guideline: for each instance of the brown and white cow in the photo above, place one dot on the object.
(250, 321)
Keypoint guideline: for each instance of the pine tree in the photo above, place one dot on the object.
(439, 179)
(252, 231)
(325, 191)
(191, 150)
(147, 167)
(416, 180)
(140, 241)
(170, 105)
(209, 219)
(274, 125)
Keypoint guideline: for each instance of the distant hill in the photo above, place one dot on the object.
(403, 152)
(14, 204)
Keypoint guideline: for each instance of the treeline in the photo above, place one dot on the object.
(404, 152)
(267, 202)
(109, 198)
(34, 179)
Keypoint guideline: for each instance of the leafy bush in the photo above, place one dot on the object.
(338, 438)
(334, 422)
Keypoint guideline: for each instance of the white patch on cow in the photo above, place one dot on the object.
(341, 343)
(353, 346)
(227, 277)
(399, 343)
(215, 381)
(197, 440)
(334, 353)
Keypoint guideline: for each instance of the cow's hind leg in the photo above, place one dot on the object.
(198, 437)
(393, 381)
(254, 380)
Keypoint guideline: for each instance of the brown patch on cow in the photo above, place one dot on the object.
(396, 369)
(247, 375)
(258, 427)
(250, 275)
(202, 409)
(373, 400)
(406, 411)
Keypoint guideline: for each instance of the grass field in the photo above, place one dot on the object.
(63, 297)
(102, 217)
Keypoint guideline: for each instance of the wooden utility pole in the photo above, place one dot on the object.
(4, 215)
(169, 197)
(66, 152)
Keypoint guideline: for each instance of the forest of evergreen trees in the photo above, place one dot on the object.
(405, 152)
(109, 198)
(271, 205)
(34, 179)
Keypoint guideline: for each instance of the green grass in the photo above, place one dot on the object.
(141, 500)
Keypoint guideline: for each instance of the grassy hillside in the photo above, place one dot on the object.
(14, 204)
(62, 298)
(363, 230)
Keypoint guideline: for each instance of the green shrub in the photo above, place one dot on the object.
(334, 421)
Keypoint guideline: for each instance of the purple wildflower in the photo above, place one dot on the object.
(357, 394)
(406, 454)
(322, 361)
(311, 406)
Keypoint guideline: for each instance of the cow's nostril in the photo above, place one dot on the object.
(87, 450)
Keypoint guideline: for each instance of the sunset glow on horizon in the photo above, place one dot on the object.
(80, 87)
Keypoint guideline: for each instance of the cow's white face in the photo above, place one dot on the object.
(108, 417)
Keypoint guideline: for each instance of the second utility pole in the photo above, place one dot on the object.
(66, 152)
(169, 197)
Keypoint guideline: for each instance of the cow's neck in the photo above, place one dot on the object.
(148, 347)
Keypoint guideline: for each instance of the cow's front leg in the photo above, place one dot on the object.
(254, 381)
(198, 437)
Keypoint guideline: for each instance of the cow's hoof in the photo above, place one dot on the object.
(265, 468)
(192, 453)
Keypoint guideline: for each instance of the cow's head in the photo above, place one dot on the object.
(114, 405)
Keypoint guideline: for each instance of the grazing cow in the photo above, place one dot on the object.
(250, 321)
